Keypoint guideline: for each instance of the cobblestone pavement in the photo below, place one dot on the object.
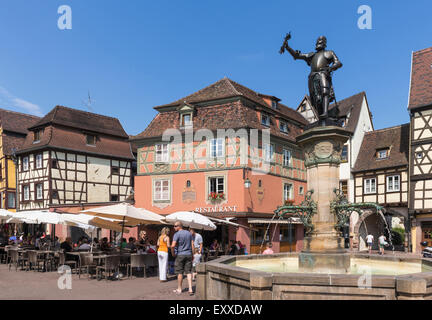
(43, 285)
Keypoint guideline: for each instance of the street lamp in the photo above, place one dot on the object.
(247, 183)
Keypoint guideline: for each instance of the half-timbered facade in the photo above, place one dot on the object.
(381, 176)
(420, 110)
(13, 131)
(72, 156)
(355, 114)
(195, 167)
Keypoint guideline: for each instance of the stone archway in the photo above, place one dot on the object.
(356, 242)
(355, 235)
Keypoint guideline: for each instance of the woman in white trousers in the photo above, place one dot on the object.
(163, 244)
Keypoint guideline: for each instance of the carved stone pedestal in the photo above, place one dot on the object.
(323, 248)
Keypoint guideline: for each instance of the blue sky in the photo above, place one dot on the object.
(136, 54)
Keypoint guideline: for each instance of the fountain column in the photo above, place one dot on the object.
(323, 248)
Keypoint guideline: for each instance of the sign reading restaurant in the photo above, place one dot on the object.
(216, 209)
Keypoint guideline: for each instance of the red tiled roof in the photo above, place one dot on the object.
(352, 106)
(421, 79)
(73, 139)
(82, 120)
(16, 121)
(224, 116)
(14, 125)
(395, 138)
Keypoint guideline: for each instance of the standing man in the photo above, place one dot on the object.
(369, 241)
(183, 258)
(198, 240)
(382, 243)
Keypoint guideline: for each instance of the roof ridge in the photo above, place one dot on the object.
(79, 110)
(389, 128)
(20, 113)
(231, 84)
(200, 90)
(422, 50)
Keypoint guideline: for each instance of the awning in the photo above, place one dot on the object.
(294, 220)
(222, 221)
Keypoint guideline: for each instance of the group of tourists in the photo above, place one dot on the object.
(186, 249)
(382, 240)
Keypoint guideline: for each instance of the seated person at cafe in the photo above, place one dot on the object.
(123, 243)
(66, 245)
(104, 246)
(84, 245)
(233, 249)
(131, 244)
(142, 243)
(151, 248)
(215, 245)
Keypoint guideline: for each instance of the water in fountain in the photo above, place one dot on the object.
(388, 229)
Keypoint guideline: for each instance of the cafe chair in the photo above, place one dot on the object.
(34, 260)
(136, 261)
(86, 261)
(112, 263)
(63, 262)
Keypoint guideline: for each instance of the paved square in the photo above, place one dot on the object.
(43, 285)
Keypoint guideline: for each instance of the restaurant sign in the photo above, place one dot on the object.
(216, 209)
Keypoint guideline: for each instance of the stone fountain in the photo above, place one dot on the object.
(324, 248)
(324, 269)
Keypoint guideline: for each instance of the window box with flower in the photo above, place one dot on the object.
(215, 196)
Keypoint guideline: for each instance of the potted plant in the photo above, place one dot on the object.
(214, 196)
(289, 202)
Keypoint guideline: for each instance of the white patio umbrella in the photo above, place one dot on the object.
(4, 214)
(124, 211)
(39, 216)
(192, 220)
(129, 215)
(89, 221)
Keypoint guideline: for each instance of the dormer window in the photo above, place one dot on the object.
(382, 154)
(91, 140)
(265, 120)
(37, 135)
(283, 126)
(274, 104)
(303, 107)
(186, 119)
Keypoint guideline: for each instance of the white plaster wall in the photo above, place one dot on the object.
(98, 192)
(364, 125)
(98, 170)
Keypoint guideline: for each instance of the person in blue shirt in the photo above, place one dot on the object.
(183, 257)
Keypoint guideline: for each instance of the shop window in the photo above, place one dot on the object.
(285, 231)
(257, 235)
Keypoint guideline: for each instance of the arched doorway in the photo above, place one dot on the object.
(371, 222)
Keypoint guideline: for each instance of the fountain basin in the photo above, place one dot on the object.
(279, 277)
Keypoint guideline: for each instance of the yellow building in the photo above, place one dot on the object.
(13, 131)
